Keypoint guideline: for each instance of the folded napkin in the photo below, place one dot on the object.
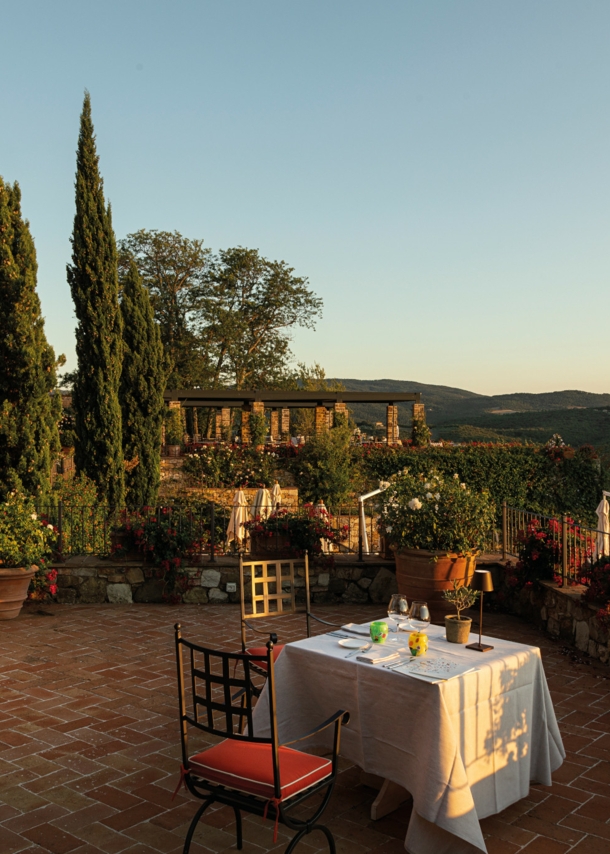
(358, 629)
(378, 655)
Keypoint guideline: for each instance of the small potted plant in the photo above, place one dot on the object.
(25, 541)
(461, 597)
(174, 433)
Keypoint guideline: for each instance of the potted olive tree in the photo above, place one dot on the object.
(25, 541)
(437, 527)
(461, 597)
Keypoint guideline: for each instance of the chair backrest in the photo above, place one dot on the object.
(219, 697)
(268, 588)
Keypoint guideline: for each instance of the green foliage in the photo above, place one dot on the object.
(30, 408)
(461, 597)
(174, 429)
(172, 268)
(436, 513)
(230, 466)
(94, 284)
(86, 520)
(327, 467)
(258, 428)
(420, 433)
(539, 554)
(141, 392)
(523, 475)
(25, 539)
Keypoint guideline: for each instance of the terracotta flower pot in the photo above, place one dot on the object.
(277, 545)
(14, 583)
(422, 574)
(457, 629)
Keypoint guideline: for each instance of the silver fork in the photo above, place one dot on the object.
(358, 651)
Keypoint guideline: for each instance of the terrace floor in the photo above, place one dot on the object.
(89, 743)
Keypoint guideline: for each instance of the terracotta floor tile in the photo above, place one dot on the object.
(52, 839)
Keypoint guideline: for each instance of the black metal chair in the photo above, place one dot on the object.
(247, 772)
(268, 589)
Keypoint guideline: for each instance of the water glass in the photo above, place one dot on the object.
(419, 616)
(398, 609)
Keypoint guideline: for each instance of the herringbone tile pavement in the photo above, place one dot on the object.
(89, 743)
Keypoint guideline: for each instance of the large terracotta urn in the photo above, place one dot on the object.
(424, 575)
(14, 583)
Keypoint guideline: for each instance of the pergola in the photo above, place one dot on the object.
(325, 403)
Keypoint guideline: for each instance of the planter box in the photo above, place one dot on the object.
(424, 575)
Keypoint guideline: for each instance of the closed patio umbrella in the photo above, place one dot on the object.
(603, 526)
(276, 495)
(263, 505)
(238, 518)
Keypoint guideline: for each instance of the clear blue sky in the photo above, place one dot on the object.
(439, 170)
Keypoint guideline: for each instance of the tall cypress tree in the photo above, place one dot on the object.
(30, 408)
(93, 279)
(141, 391)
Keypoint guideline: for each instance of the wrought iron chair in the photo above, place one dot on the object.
(250, 773)
(268, 589)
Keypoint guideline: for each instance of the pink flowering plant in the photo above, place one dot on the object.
(305, 531)
(436, 513)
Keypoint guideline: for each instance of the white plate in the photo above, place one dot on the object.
(352, 643)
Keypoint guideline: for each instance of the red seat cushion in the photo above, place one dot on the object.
(262, 650)
(248, 768)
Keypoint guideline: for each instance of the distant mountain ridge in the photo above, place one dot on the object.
(445, 404)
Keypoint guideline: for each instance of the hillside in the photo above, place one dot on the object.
(447, 405)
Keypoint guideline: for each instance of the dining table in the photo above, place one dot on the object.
(465, 734)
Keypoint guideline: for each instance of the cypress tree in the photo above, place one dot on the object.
(93, 280)
(30, 407)
(141, 391)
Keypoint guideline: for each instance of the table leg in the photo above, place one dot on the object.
(390, 796)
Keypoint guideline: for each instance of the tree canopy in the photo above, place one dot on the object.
(93, 281)
(30, 408)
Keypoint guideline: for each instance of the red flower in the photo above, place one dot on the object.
(52, 589)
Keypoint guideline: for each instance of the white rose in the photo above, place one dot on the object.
(34, 516)
(437, 496)
(414, 504)
(429, 495)
(462, 486)
(456, 477)
(388, 529)
(427, 485)
(50, 527)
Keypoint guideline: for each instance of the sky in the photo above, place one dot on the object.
(440, 171)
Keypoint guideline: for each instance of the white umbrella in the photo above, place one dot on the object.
(238, 518)
(603, 526)
(276, 495)
(263, 505)
(320, 510)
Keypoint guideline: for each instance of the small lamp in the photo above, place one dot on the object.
(481, 580)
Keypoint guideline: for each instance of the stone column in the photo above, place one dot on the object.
(196, 436)
(225, 423)
(275, 425)
(392, 424)
(286, 422)
(218, 425)
(258, 407)
(340, 409)
(321, 422)
(245, 424)
(419, 412)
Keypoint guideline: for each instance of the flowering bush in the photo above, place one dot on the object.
(305, 531)
(44, 585)
(539, 555)
(25, 538)
(597, 579)
(231, 465)
(435, 513)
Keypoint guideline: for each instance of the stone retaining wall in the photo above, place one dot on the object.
(91, 582)
(565, 615)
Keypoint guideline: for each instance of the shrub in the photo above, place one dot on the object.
(327, 468)
(231, 466)
(435, 513)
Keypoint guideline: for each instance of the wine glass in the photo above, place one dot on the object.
(398, 609)
(419, 616)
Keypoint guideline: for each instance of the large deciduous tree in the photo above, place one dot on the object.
(172, 267)
(30, 406)
(141, 391)
(246, 309)
(93, 280)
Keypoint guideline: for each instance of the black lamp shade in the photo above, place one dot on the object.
(481, 580)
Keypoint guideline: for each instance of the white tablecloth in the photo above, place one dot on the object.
(465, 748)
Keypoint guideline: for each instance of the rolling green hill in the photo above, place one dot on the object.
(579, 416)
